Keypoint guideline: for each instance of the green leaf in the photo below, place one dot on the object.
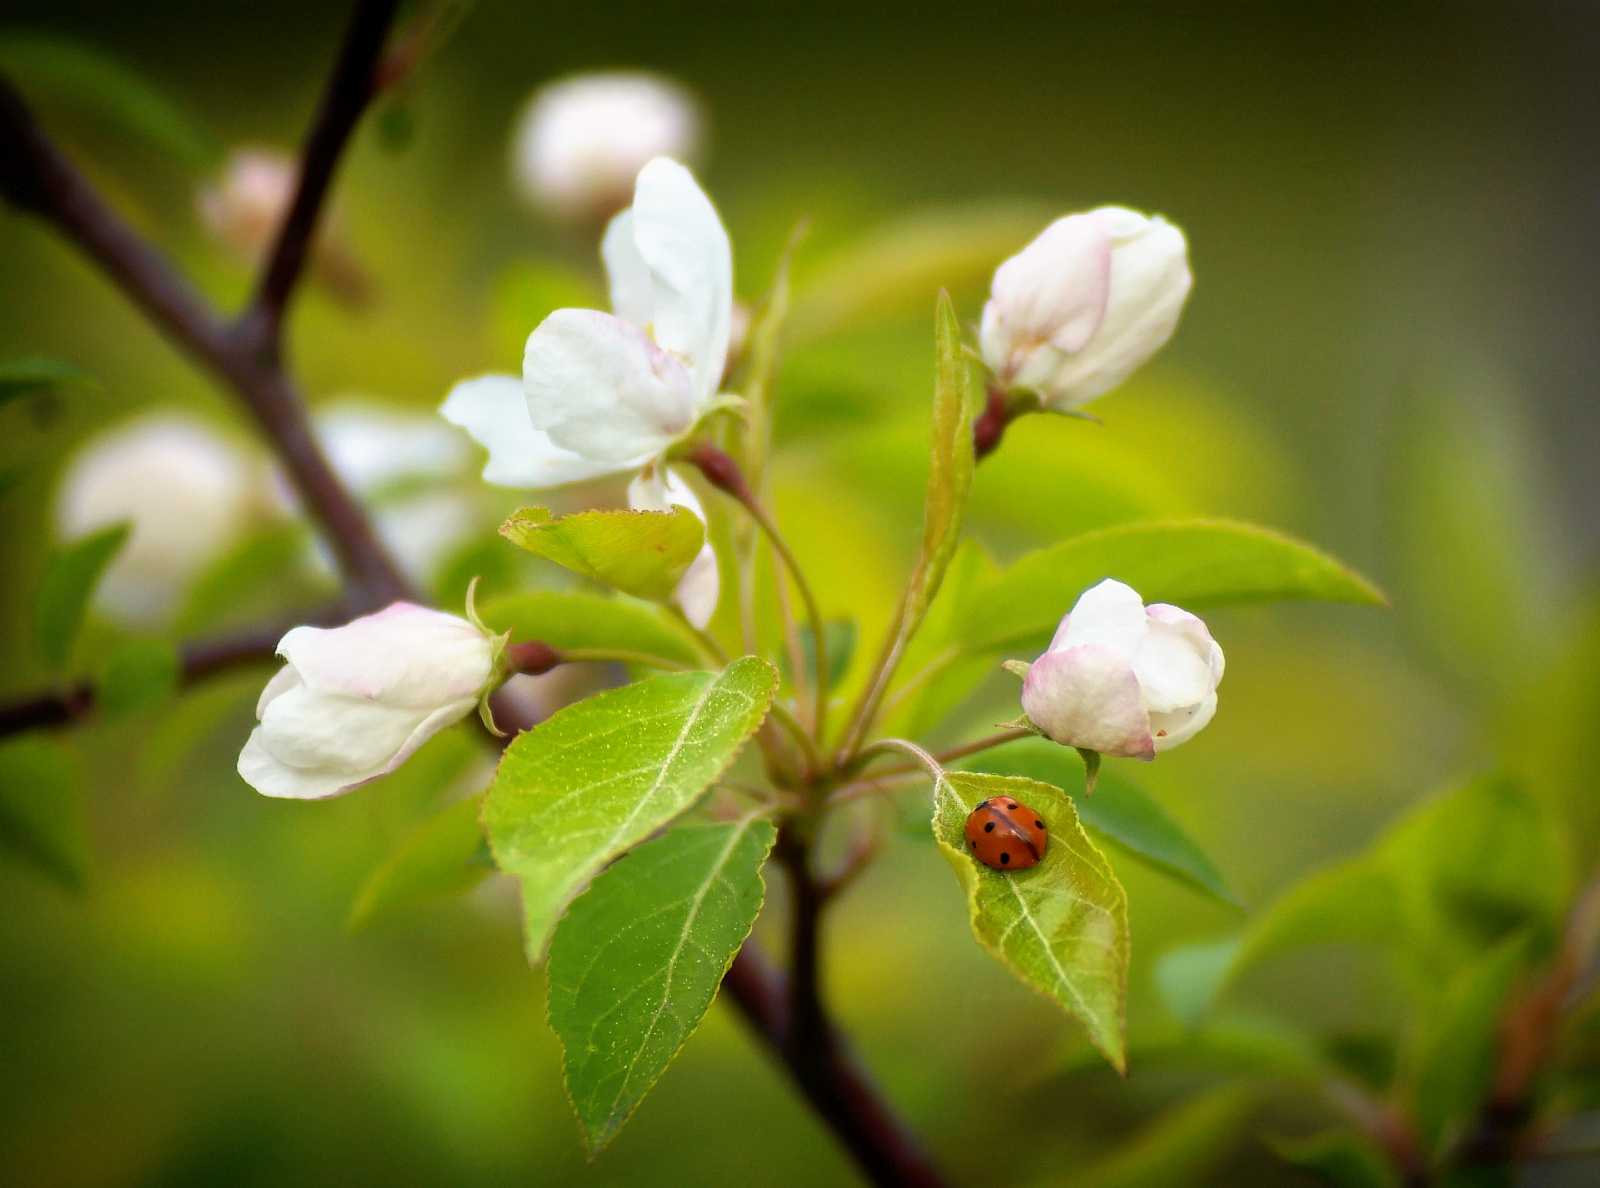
(41, 809)
(1062, 925)
(840, 636)
(638, 959)
(572, 620)
(1239, 1044)
(93, 84)
(444, 857)
(598, 777)
(140, 675)
(1353, 902)
(1345, 1158)
(1182, 1146)
(1119, 809)
(642, 553)
(1193, 564)
(1188, 978)
(26, 376)
(1462, 1041)
(69, 581)
(256, 578)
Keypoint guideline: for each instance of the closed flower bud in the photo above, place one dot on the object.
(1081, 307)
(190, 495)
(353, 703)
(581, 142)
(1122, 678)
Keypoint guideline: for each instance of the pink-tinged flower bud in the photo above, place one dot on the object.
(581, 142)
(1122, 678)
(1081, 307)
(353, 703)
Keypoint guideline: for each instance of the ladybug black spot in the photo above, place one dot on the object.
(1005, 858)
(1013, 804)
(1038, 824)
(989, 828)
(973, 844)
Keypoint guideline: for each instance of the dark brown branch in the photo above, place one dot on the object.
(197, 661)
(35, 176)
(350, 89)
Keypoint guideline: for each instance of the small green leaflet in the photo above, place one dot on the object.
(69, 581)
(638, 959)
(140, 675)
(26, 376)
(599, 777)
(1345, 1158)
(1181, 1147)
(565, 619)
(1193, 564)
(41, 809)
(444, 857)
(1119, 808)
(642, 553)
(1060, 926)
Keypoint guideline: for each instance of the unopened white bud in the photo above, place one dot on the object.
(1086, 303)
(581, 142)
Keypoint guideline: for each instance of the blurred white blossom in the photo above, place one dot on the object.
(1123, 678)
(190, 494)
(580, 142)
(700, 585)
(1081, 307)
(353, 703)
(607, 394)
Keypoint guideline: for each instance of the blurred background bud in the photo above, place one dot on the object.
(190, 494)
(580, 142)
(413, 471)
(244, 207)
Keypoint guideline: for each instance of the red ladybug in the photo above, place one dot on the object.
(1006, 834)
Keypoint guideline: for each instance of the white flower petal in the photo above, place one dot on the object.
(1168, 730)
(403, 656)
(601, 389)
(1088, 697)
(699, 588)
(270, 777)
(691, 264)
(1174, 673)
(661, 491)
(493, 409)
(1053, 291)
(633, 296)
(348, 735)
(1110, 615)
(282, 681)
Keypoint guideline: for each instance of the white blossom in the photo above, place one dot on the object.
(1085, 304)
(701, 583)
(580, 142)
(190, 494)
(610, 393)
(1122, 678)
(353, 703)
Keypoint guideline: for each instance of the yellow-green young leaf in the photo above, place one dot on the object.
(1181, 1147)
(642, 553)
(572, 620)
(1461, 1041)
(41, 809)
(140, 675)
(1343, 1158)
(1188, 977)
(638, 959)
(600, 776)
(444, 857)
(69, 581)
(1193, 564)
(1118, 808)
(26, 376)
(1062, 925)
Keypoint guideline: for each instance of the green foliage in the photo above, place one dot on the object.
(140, 675)
(1062, 925)
(565, 619)
(1188, 977)
(642, 553)
(1118, 809)
(600, 776)
(87, 81)
(444, 857)
(41, 809)
(260, 575)
(638, 959)
(526, 293)
(1182, 1146)
(26, 377)
(1345, 1158)
(840, 637)
(1193, 564)
(73, 572)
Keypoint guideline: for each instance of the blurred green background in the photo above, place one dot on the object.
(1390, 341)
